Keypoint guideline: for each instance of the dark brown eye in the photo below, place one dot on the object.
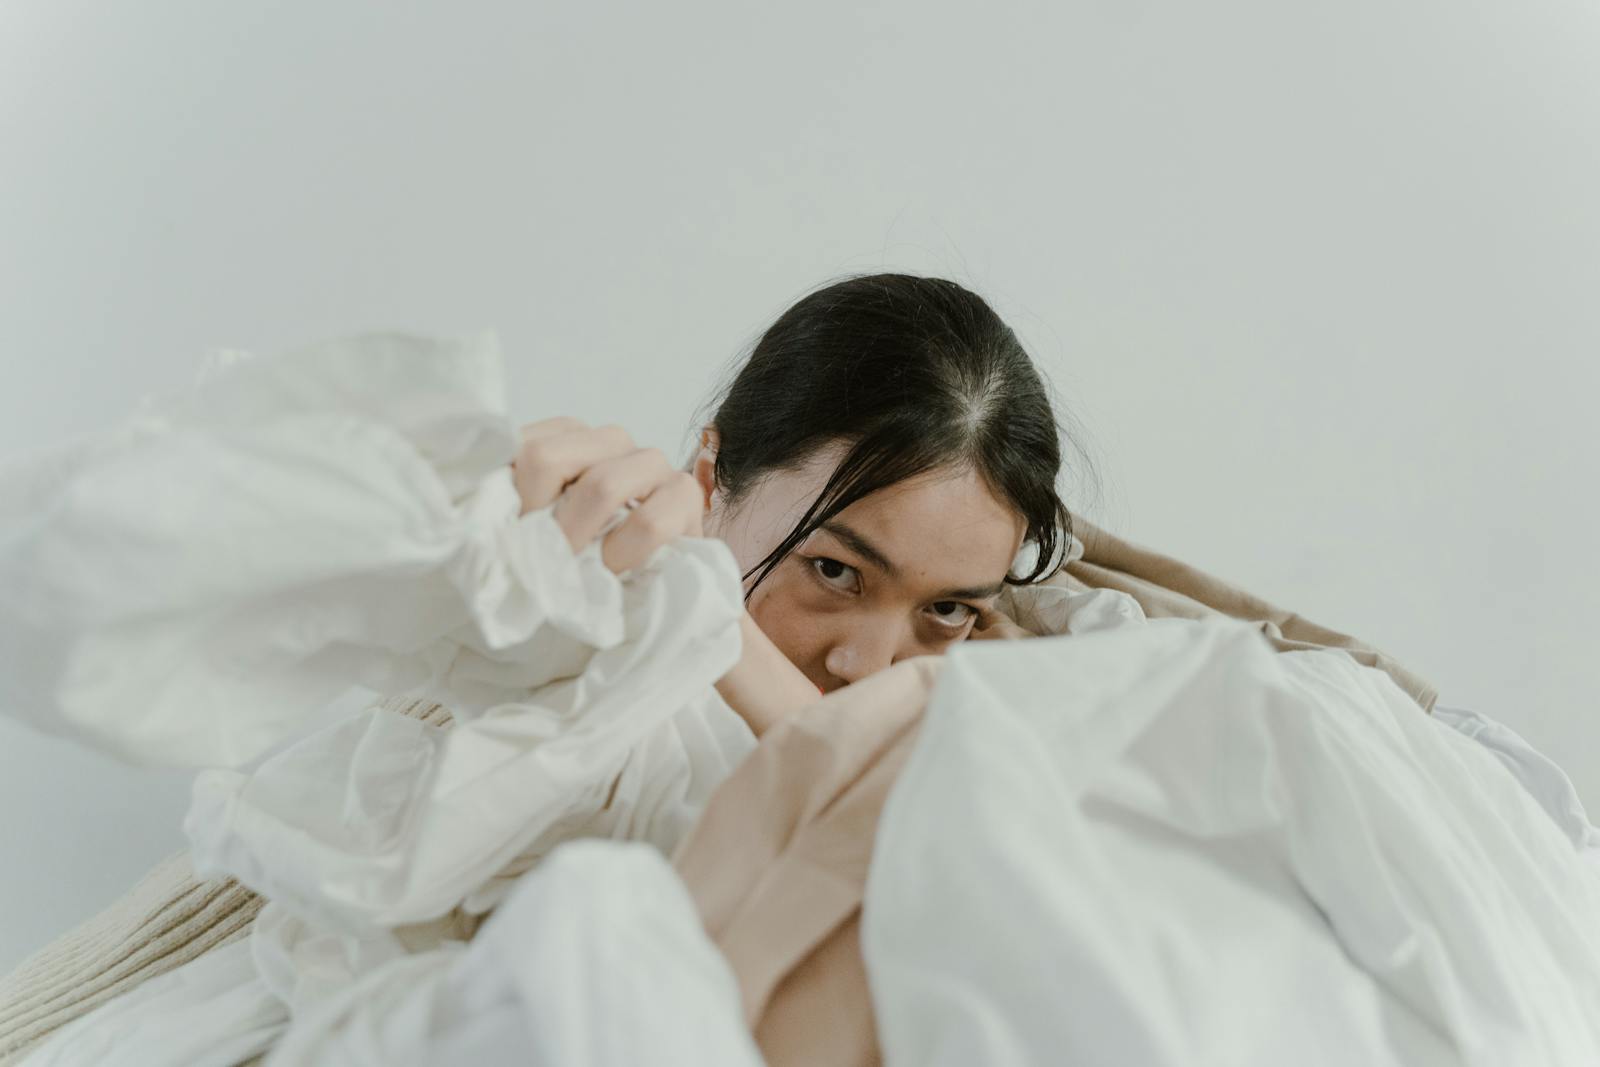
(957, 614)
(830, 571)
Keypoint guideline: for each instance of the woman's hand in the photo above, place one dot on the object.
(591, 472)
(764, 687)
(995, 625)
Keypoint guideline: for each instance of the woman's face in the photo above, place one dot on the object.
(899, 573)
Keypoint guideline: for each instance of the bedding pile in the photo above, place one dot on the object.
(195, 586)
(1132, 841)
(1167, 844)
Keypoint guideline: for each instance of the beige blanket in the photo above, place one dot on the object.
(1166, 587)
(799, 813)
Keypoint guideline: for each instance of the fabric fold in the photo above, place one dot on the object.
(386, 820)
(596, 959)
(191, 585)
(1171, 843)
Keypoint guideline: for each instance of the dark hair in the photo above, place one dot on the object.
(915, 374)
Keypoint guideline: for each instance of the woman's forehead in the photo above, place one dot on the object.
(943, 528)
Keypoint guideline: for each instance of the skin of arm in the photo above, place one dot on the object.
(764, 687)
(588, 474)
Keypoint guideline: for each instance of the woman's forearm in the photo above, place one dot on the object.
(764, 687)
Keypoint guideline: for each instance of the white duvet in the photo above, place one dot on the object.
(1138, 842)
(198, 585)
(1169, 844)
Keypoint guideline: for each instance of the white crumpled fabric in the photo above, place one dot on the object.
(596, 959)
(196, 585)
(1149, 842)
(1169, 844)
(387, 820)
(213, 1011)
(190, 586)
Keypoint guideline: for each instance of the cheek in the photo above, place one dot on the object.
(744, 552)
(783, 615)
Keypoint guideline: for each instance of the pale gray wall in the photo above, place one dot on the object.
(1318, 280)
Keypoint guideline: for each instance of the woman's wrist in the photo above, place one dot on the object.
(764, 687)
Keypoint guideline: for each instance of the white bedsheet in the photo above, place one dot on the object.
(194, 586)
(1167, 844)
(596, 959)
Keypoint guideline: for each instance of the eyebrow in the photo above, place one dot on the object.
(870, 552)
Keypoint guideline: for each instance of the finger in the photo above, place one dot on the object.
(546, 427)
(672, 510)
(988, 615)
(994, 623)
(549, 427)
(555, 456)
(585, 506)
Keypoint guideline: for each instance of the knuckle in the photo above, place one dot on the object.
(554, 424)
(535, 455)
(615, 432)
(599, 486)
(687, 490)
(651, 526)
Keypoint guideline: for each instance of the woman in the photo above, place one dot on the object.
(875, 465)
(872, 471)
(875, 469)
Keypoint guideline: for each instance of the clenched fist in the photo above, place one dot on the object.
(589, 473)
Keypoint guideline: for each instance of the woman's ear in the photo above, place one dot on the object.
(704, 467)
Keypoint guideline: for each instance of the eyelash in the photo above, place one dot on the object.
(813, 564)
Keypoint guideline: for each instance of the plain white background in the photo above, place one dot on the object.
(1316, 282)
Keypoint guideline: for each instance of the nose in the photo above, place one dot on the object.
(865, 650)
